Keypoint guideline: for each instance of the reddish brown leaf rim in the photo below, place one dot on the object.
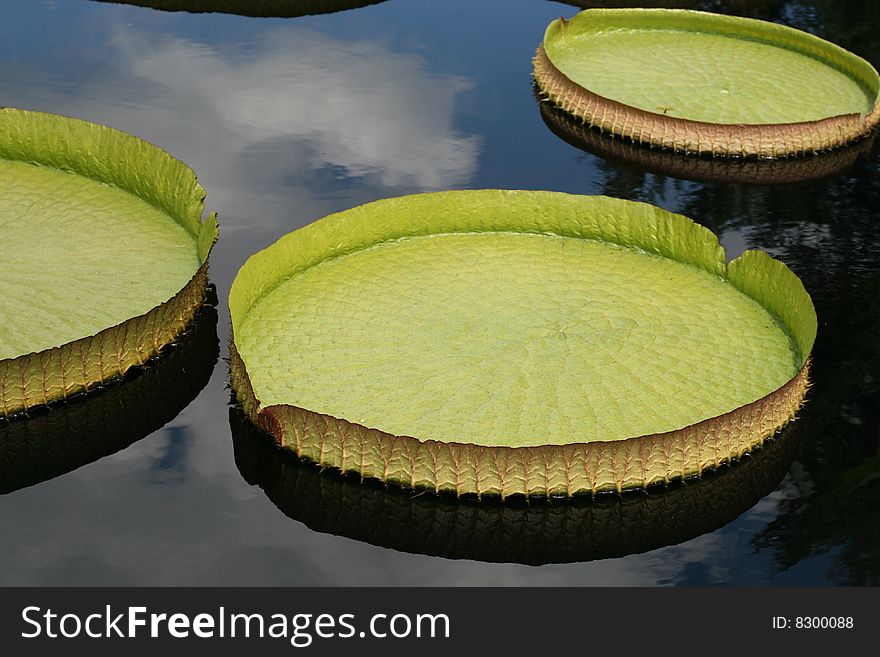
(688, 136)
(546, 471)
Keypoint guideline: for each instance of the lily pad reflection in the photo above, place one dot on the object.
(60, 438)
(746, 171)
(255, 8)
(530, 532)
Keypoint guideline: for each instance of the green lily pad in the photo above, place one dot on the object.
(255, 8)
(517, 342)
(699, 82)
(105, 255)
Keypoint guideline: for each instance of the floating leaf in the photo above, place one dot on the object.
(517, 342)
(704, 83)
(104, 255)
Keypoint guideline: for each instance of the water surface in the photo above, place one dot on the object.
(286, 120)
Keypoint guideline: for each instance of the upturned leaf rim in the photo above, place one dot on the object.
(121, 160)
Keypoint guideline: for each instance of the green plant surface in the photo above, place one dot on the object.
(104, 260)
(80, 256)
(516, 319)
(715, 69)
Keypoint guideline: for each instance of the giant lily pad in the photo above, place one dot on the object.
(104, 255)
(704, 83)
(511, 342)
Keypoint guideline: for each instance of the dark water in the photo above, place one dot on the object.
(288, 119)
